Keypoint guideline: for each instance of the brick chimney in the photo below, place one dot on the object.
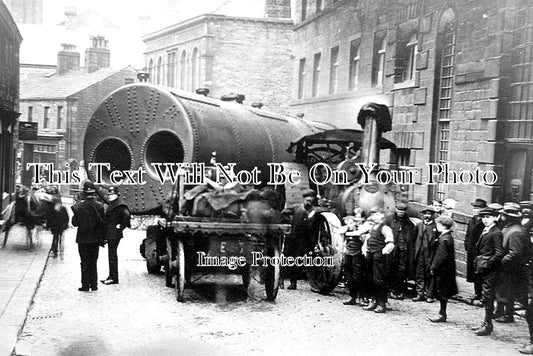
(68, 59)
(71, 13)
(98, 55)
(278, 9)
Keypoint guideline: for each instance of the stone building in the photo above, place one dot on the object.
(457, 76)
(63, 101)
(10, 40)
(227, 54)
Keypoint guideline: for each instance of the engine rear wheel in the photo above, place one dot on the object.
(326, 231)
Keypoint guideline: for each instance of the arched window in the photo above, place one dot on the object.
(158, 70)
(151, 70)
(195, 75)
(171, 69)
(444, 76)
(183, 71)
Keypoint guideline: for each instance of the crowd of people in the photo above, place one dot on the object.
(382, 253)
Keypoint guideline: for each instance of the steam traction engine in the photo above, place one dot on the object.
(140, 126)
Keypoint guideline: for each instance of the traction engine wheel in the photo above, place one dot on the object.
(329, 241)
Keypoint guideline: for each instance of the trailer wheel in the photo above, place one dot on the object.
(179, 282)
(323, 279)
(168, 273)
(272, 275)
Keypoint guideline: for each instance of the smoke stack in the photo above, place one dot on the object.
(68, 59)
(98, 55)
(71, 13)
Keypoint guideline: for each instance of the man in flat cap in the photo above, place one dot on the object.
(298, 243)
(89, 218)
(404, 232)
(487, 265)
(425, 245)
(512, 285)
(473, 232)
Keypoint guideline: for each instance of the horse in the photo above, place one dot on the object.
(37, 207)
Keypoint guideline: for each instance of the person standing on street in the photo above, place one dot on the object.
(117, 218)
(487, 265)
(298, 243)
(89, 218)
(512, 285)
(473, 232)
(442, 268)
(353, 258)
(424, 250)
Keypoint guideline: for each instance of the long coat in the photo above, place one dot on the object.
(426, 242)
(489, 252)
(443, 268)
(89, 218)
(473, 232)
(298, 243)
(513, 277)
(116, 213)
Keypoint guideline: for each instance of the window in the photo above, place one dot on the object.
(59, 117)
(406, 60)
(333, 70)
(151, 70)
(316, 73)
(378, 62)
(46, 119)
(301, 78)
(354, 64)
(318, 5)
(183, 71)
(129, 81)
(171, 73)
(195, 75)
(520, 122)
(158, 71)
(304, 10)
(30, 113)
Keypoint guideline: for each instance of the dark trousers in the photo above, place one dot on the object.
(478, 287)
(398, 269)
(421, 276)
(89, 257)
(354, 269)
(112, 246)
(488, 286)
(376, 267)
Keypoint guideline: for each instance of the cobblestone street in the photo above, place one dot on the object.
(140, 316)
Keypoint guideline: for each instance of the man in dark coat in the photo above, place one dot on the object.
(512, 284)
(89, 218)
(425, 245)
(117, 218)
(442, 268)
(298, 243)
(473, 232)
(487, 264)
(354, 260)
(404, 232)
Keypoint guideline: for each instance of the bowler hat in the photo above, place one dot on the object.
(429, 208)
(511, 209)
(308, 193)
(88, 187)
(479, 203)
(489, 211)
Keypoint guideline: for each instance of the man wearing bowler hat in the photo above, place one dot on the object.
(298, 243)
(117, 218)
(473, 232)
(425, 246)
(512, 284)
(89, 218)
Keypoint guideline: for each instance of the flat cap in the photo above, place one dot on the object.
(308, 193)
